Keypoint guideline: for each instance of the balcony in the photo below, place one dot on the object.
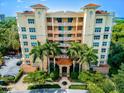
(65, 24)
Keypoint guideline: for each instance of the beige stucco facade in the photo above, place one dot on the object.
(64, 27)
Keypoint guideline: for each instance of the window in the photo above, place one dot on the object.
(107, 29)
(33, 43)
(49, 27)
(23, 29)
(69, 27)
(59, 20)
(69, 35)
(105, 37)
(61, 35)
(103, 50)
(30, 21)
(26, 55)
(99, 20)
(101, 62)
(26, 50)
(33, 37)
(25, 43)
(61, 28)
(102, 56)
(79, 28)
(96, 37)
(70, 20)
(32, 30)
(24, 36)
(96, 44)
(104, 43)
(49, 19)
(79, 35)
(50, 35)
(98, 29)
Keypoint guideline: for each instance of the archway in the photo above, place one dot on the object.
(64, 71)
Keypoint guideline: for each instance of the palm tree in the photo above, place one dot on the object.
(89, 57)
(1, 59)
(56, 51)
(74, 52)
(38, 52)
(51, 49)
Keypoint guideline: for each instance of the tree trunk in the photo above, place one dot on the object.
(73, 66)
(79, 67)
(48, 65)
(54, 63)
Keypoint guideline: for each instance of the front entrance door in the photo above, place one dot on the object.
(64, 71)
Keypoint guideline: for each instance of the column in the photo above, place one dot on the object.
(68, 71)
(60, 71)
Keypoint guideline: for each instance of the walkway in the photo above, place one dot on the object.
(20, 85)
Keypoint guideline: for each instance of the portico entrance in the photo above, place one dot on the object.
(64, 66)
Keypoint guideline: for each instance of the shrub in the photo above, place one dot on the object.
(54, 75)
(74, 75)
(18, 76)
(77, 87)
(43, 86)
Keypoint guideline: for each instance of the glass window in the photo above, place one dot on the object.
(104, 43)
(26, 55)
(23, 29)
(33, 37)
(26, 49)
(59, 20)
(61, 28)
(101, 62)
(107, 29)
(98, 29)
(79, 35)
(96, 44)
(69, 27)
(70, 20)
(25, 43)
(99, 20)
(96, 37)
(105, 36)
(24, 36)
(32, 30)
(69, 35)
(61, 35)
(30, 21)
(102, 56)
(103, 50)
(33, 43)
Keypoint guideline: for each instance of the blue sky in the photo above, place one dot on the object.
(10, 7)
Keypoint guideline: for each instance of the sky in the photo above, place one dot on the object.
(10, 7)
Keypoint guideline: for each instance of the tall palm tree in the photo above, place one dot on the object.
(74, 52)
(89, 57)
(38, 52)
(51, 49)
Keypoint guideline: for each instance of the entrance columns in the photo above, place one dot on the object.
(68, 71)
(60, 71)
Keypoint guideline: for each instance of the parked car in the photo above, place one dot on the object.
(19, 63)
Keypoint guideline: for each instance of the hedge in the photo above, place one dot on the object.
(83, 87)
(43, 86)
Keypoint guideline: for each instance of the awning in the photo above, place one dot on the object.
(64, 61)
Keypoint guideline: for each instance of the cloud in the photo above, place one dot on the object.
(19, 1)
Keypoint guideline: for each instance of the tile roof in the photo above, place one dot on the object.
(91, 5)
(28, 12)
(64, 61)
(28, 68)
(38, 6)
(101, 12)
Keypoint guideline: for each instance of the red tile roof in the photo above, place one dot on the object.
(28, 68)
(38, 6)
(101, 12)
(91, 5)
(28, 12)
(64, 61)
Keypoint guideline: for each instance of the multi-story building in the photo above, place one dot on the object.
(89, 26)
(2, 17)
